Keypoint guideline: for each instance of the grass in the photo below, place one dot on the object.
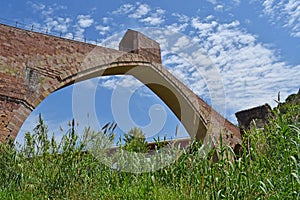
(268, 168)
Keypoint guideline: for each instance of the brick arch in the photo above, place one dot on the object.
(177, 97)
(33, 65)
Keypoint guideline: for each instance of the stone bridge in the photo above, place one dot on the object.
(33, 65)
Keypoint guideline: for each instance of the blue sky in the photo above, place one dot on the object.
(253, 47)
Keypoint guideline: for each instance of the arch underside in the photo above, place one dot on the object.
(163, 86)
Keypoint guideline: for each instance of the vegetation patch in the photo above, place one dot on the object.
(268, 168)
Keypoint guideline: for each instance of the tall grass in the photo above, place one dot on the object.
(268, 168)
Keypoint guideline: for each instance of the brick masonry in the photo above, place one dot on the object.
(33, 65)
(136, 42)
(260, 115)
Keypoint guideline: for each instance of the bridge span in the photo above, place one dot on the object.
(33, 65)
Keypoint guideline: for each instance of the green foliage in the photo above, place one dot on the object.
(45, 169)
(275, 154)
(135, 141)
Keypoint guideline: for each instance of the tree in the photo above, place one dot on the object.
(135, 141)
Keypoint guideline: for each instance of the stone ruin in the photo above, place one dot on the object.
(257, 116)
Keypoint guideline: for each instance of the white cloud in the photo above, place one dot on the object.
(219, 8)
(113, 40)
(155, 18)
(246, 71)
(181, 17)
(133, 11)
(143, 13)
(51, 23)
(69, 35)
(124, 9)
(106, 20)
(212, 1)
(37, 6)
(79, 33)
(85, 21)
(46, 10)
(59, 24)
(175, 27)
(221, 5)
(251, 72)
(102, 29)
(128, 82)
(182, 42)
(285, 13)
(140, 11)
(202, 27)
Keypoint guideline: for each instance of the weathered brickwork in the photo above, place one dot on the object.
(33, 65)
(260, 115)
(136, 42)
